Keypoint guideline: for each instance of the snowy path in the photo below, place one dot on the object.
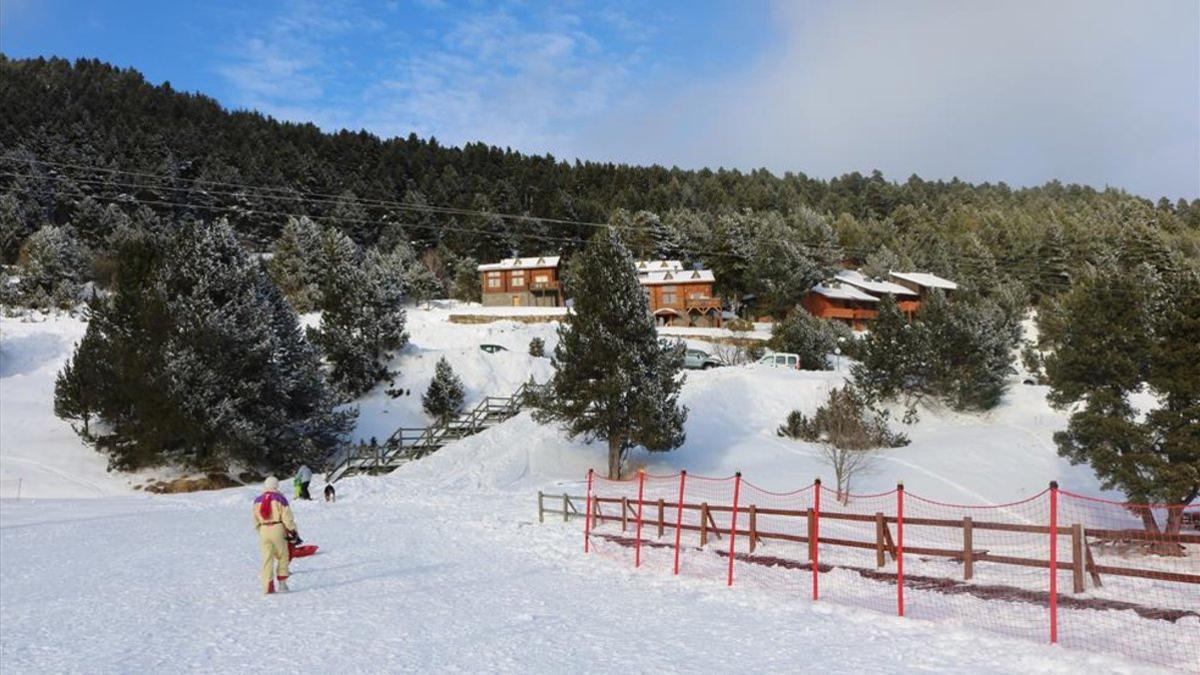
(413, 580)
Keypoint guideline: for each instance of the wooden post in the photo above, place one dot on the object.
(587, 518)
(968, 548)
(660, 518)
(566, 502)
(541, 510)
(1091, 564)
(1077, 558)
(753, 528)
(812, 545)
(879, 560)
(624, 513)
(703, 524)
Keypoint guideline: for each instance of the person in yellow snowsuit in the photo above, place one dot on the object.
(273, 520)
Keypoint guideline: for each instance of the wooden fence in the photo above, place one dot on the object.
(1081, 561)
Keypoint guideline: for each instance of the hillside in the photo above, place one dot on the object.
(77, 137)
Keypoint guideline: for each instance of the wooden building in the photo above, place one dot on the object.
(522, 282)
(839, 301)
(679, 297)
(853, 298)
(907, 299)
(922, 283)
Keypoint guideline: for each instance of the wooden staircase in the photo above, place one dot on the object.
(407, 444)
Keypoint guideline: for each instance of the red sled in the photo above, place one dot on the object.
(302, 551)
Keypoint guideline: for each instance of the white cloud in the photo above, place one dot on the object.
(1093, 92)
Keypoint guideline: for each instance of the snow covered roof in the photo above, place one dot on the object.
(873, 286)
(840, 291)
(676, 277)
(926, 279)
(521, 263)
(644, 266)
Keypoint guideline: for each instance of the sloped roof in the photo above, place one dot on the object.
(676, 277)
(840, 291)
(926, 279)
(644, 266)
(873, 286)
(536, 262)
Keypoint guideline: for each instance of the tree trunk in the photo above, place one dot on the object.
(1161, 543)
(614, 458)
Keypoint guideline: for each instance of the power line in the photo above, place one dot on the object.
(325, 198)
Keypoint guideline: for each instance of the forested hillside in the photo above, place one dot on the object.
(77, 137)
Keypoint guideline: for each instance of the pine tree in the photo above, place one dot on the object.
(362, 320)
(196, 359)
(537, 347)
(889, 357)
(50, 264)
(1053, 275)
(880, 263)
(444, 398)
(1121, 329)
(467, 285)
(614, 380)
(811, 338)
(295, 263)
(14, 227)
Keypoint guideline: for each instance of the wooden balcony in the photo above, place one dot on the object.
(702, 304)
(543, 286)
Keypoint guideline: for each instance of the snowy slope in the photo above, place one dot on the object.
(417, 577)
(39, 454)
(442, 565)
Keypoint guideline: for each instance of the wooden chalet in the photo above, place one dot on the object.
(853, 298)
(839, 301)
(922, 283)
(521, 282)
(679, 297)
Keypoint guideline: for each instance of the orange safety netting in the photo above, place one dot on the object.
(1118, 585)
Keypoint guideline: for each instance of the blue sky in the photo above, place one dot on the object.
(1092, 91)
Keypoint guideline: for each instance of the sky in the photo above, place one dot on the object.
(1099, 92)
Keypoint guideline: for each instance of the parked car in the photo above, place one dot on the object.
(492, 349)
(694, 359)
(780, 360)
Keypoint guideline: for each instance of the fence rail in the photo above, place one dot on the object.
(955, 555)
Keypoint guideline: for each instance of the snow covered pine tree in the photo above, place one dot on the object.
(614, 380)
(444, 398)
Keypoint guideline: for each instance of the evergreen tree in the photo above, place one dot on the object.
(444, 398)
(295, 263)
(362, 319)
(880, 263)
(537, 347)
(196, 359)
(811, 338)
(614, 380)
(1053, 275)
(50, 265)
(14, 227)
(467, 286)
(1123, 329)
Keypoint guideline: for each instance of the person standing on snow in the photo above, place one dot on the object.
(273, 521)
(305, 475)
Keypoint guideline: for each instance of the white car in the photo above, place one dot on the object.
(780, 360)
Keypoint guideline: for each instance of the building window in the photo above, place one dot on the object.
(541, 279)
(518, 279)
(668, 294)
(494, 280)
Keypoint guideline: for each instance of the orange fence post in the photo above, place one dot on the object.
(814, 535)
(737, 488)
(637, 547)
(587, 519)
(900, 549)
(679, 518)
(1053, 562)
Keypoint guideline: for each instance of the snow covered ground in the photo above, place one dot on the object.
(442, 565)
